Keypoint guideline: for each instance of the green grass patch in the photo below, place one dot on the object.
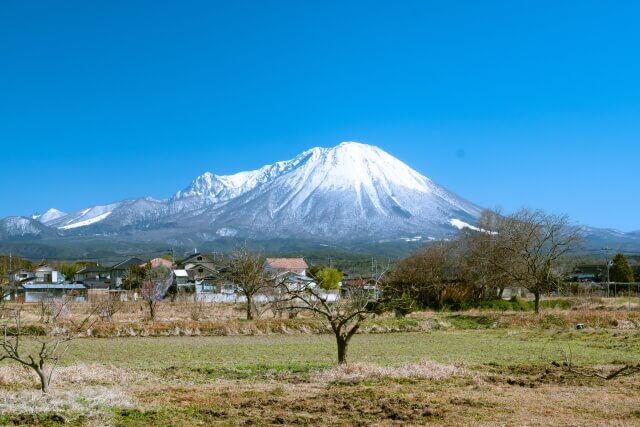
(513, 304)
(261, 355)
(463, 321)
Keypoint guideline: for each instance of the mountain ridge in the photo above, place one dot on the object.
(352, 192)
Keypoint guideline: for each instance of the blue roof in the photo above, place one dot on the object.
(64, 286)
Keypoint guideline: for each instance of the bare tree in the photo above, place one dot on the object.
(53, 308)
(197, 309)
(344, 314)
(534, 242)
(155, 285)
(279, 302)
(40, 352)
(245, 269)
(109, 306)
(482, 258)
(425, 275)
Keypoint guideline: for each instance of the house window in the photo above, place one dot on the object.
(199, 258)
(200, 270)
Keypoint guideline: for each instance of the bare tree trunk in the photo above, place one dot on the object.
(249, 309)
(44, 380)
(440, 297)
(152, 310)
(536, 294)
(342, 348)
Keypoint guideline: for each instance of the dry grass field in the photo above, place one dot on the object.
(478, 367)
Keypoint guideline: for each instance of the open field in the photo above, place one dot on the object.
(469, 372)
(470, 347)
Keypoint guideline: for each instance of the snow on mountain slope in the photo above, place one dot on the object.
(18, 227)
(85, 222)
(49, 216)
(350, 191)
(141, 212)
(84, 217)
(209, 189)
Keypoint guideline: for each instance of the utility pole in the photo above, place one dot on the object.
(606, 257)
(11, 275)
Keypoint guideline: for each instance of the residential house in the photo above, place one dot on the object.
(278, 266)
(368, 284)
(200, 271)
(96, 289)
(207, 261)
(21, 275)
(48, 274)
(95, 274)
(296, 282)
(589, 273)
(119, 271)
(182, 282)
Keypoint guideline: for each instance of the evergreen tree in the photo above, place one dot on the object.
(329, 278)
(621, 271)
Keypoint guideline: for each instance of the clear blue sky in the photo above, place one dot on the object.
(508, 103)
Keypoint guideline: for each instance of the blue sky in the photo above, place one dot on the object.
(508, 104)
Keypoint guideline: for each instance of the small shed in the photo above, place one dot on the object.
(36, 292)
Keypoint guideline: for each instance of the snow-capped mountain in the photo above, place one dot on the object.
(352, 191)
(19, 227)
(113, 217)
(49, 216)
(209, 189)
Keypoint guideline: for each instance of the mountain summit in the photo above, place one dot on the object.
(351, 192)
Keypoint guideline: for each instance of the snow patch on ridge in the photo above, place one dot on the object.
(461, 225)
(19, 226)
(86, 222)
(49, 216)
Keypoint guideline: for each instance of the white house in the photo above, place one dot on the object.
(48, 274)
(277, 266)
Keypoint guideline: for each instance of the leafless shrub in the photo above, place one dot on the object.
(562, 358)
(197, 309)
(153, 288)
(108, 306)
(41, 353)
(53, 309)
